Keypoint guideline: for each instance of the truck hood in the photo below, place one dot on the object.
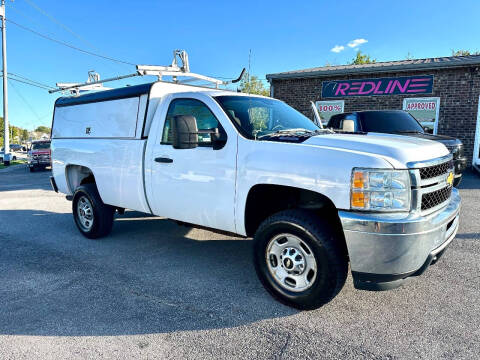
(445, 140)
(398, 150)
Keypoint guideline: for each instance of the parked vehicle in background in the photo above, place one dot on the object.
(12, 157)
(39, 156)
(398, 122)
(15, 147)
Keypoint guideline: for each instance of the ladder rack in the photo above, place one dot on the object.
(174, 70)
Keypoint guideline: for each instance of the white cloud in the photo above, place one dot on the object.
(356, 43)
(337, 48)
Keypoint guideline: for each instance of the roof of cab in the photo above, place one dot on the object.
(137, 90)
(120, 93)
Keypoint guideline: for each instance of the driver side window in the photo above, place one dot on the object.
(205, 119)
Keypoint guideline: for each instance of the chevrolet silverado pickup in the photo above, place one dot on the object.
(314, 201)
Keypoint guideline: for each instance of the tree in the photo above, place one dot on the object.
(43, 129)
(24, 135)
(464, 52)
(362, 59)
(252, 85)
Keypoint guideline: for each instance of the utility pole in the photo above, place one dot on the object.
(6, 132)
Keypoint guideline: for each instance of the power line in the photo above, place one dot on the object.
(63, 26)
(28, 18)
(32, 81)
(25, 101)
(68, 45)
(54, 20)
(29, 83)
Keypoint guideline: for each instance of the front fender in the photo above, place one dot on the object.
(324, 170)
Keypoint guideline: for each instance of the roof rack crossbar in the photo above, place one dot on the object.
(174, 70)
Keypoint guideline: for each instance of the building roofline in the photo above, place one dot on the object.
(379, 67)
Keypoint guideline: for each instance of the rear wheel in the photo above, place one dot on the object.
(299, 260)
(32, 168)
(93, 218)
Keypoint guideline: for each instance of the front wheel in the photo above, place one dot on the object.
(93, 218)
(299, 259)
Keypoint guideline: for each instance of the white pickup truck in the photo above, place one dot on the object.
(313, 200)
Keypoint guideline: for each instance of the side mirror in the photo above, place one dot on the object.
(219, 139)
(184, 132)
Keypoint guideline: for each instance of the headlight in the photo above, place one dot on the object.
(380, 190)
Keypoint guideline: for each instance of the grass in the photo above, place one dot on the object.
(12, 163)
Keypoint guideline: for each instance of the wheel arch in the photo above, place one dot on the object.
(264, 200)
(77, 175)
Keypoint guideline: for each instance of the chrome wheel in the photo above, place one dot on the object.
(85, 213)
(291, 262)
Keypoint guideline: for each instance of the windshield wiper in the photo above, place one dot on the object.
(408, 132)
(288, 132)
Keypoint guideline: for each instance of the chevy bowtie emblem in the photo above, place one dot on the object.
(450, 179)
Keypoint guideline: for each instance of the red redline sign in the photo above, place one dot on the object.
(380, 86)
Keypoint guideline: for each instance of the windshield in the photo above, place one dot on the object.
(41, 146)
(389, 122)
(256, 117)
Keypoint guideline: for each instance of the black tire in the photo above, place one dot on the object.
(32, 169)
(102, 221)
(457, 181)
(330, 256)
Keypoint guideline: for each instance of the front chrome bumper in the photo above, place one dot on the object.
(384, 249)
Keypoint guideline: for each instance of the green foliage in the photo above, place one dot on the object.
(24, 135)
(16, 162)
(252, 85)
(361, 58)
(43, 129)
(464, 52)
(17, 135)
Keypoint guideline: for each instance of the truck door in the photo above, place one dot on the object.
(194, 185)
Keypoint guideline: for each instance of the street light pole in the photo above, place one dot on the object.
(6, 132)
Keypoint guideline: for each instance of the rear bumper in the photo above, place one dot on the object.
(385, 249)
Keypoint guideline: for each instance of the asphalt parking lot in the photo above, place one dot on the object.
(154, 289)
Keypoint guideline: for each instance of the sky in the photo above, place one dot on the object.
(218, 36)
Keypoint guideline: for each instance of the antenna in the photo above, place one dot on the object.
(179, 67)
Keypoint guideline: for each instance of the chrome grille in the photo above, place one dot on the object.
(431, 189)
(435, 198)
(436, 170)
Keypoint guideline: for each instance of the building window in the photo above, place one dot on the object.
(425, 110)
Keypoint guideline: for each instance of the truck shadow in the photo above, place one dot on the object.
(149, 276)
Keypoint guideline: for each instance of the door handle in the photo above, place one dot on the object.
(163, 160)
